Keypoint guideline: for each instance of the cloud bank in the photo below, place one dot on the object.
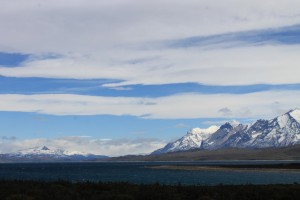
(234, 66)
(107, 147)
(92, 26)
(115, 40)
(191, 105)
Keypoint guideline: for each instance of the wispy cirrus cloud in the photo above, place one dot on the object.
(274, 36)
(181, 125)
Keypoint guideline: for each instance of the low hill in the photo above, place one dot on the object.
(283, 153)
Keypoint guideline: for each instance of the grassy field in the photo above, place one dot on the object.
(31, 190)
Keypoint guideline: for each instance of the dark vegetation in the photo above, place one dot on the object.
(31, 190)
(284, 153)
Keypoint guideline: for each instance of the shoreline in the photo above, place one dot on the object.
(263, 168)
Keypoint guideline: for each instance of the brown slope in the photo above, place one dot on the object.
(285, 153)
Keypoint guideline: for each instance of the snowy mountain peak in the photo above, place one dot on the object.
(193, 139)
(41, 151)
(44, 153)
(45, 148)
(226, 126)
(230, 125)
(284, 119)
(234, 123)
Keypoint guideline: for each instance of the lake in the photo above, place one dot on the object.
(139, 172)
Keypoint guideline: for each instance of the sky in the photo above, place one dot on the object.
(128, 76)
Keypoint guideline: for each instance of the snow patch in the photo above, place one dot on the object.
(255, 134)
(282, 120)
(296, 115)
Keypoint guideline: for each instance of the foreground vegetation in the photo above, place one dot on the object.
(30, 190)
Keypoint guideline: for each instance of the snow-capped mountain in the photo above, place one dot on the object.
(48, 151)
(193, 139)
(45, 153)
(281, 131)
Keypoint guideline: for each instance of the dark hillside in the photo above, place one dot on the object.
(284, 153)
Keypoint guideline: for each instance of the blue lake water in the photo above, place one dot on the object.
(138, 172)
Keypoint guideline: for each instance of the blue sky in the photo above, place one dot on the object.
(127, 77)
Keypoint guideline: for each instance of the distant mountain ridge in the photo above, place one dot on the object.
(44, 150)
(281, 131)
(48, 154)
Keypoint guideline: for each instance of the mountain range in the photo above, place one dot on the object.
(277, 138)
(47, 154)
(282, 131)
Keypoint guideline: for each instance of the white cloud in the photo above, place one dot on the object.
(87, 26)
(213, 122)
(233, 66)
(218, 66)
(108, 147)
(193, 105)
(97, 39)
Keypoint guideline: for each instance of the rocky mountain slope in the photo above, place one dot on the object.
(281, 131)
